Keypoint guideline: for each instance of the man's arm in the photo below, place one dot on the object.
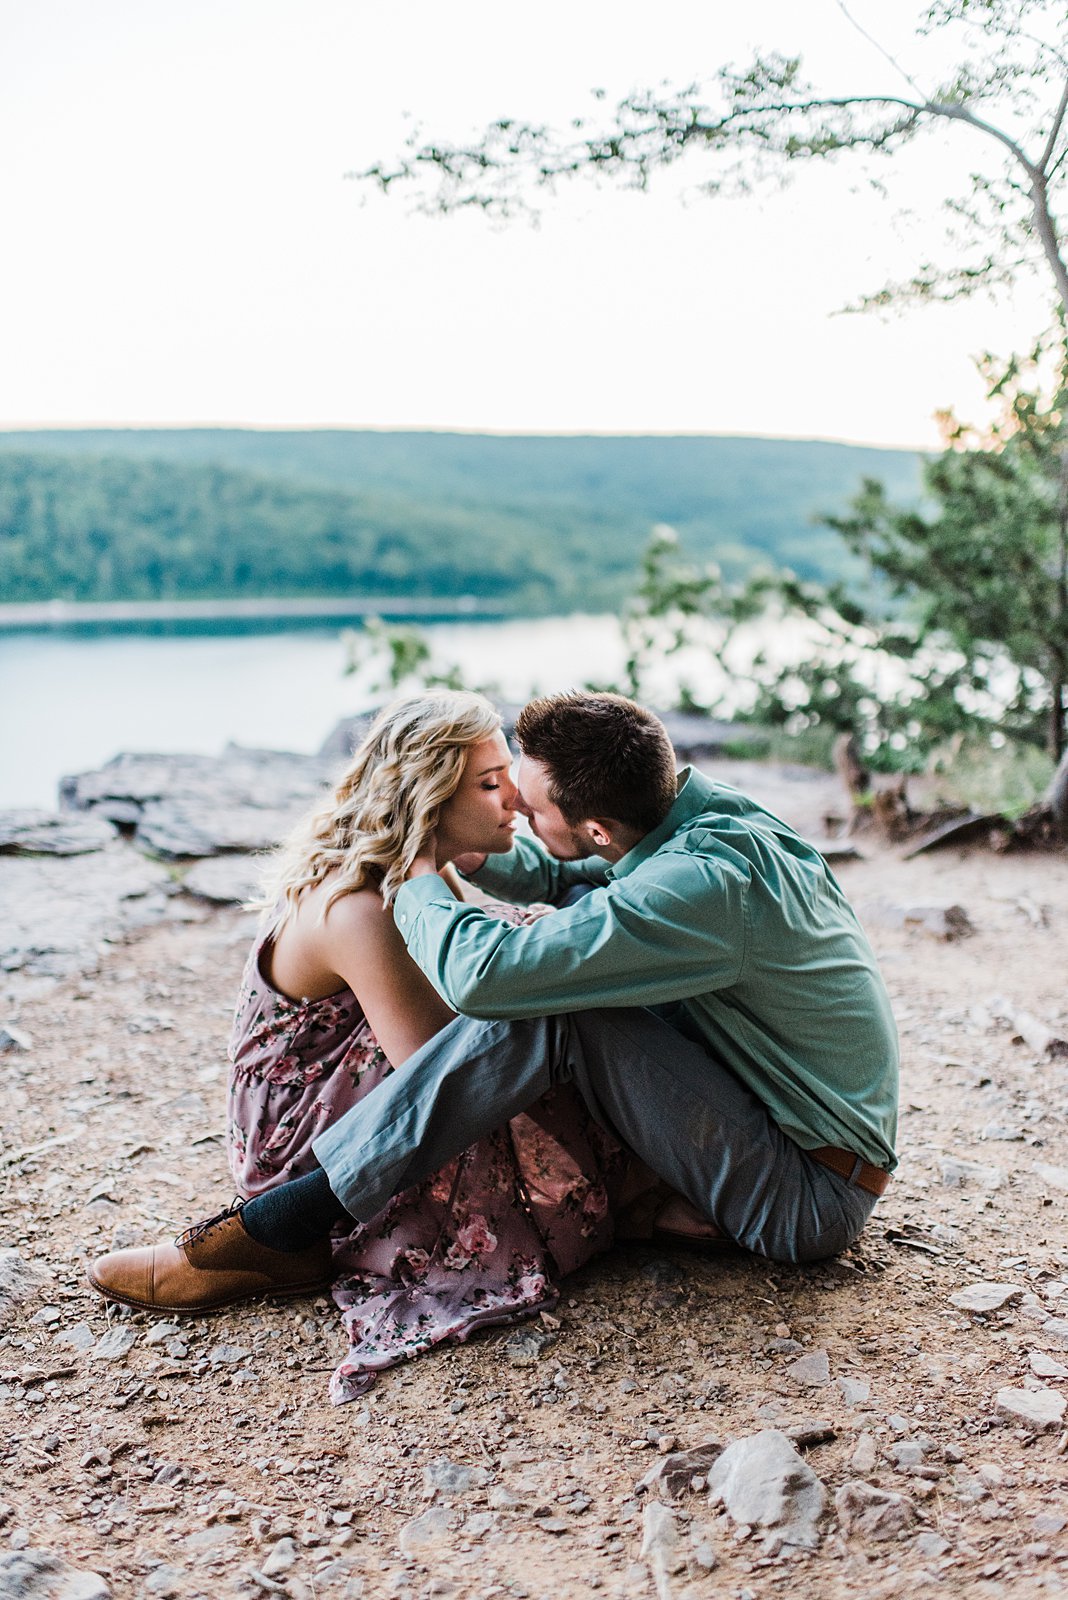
(529, 873)
(655, 936)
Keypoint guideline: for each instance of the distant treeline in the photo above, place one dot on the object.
(530, 523)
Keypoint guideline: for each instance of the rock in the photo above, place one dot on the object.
(966, 1174)
(1004, 1133)
(525, 1346)
(908, 1453)
(451, 1478)
(19, 1279)
(810, 1431)
(352, 1582)
(50, 833)
(283, 1555)
(209, 1538)
(835, 850)
(855, 1391)
(930, 1545)
(165, 1581)
(864, 1456)
(1044, 1366)
(479, 1523)
(160, 1332)
(661, 1546)
(1040, 1408)
(985, 1296)
(228, 1355)
(939, 921)
(812, 1370)
(79, 1337)
(957, 830)
(12, 1038)
(177, 830)
(41, 1575)
(1056, 1328)
(116, 1344)
(870, 1513)
(56, 917)
(225, 880)
(343, 738)
(1054, 1177)
(697, 738)
(672, 1475)
(1047, 1524)
(1032, 1030)
(193, 805)
(762, 1482)
(424, 1530)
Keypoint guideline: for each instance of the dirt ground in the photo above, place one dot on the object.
(205, 1460)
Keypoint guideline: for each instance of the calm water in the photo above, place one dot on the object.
(69, 704)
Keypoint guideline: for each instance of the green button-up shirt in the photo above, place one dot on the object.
(722, 907)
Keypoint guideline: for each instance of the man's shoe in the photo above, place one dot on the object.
(213, 1264)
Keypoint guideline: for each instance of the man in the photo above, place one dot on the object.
(712, 997)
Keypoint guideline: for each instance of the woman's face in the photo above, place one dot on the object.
(481, 815)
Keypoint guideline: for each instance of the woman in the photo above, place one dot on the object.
(331, 1002)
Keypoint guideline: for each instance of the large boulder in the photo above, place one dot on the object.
(51, 833)
(57, 916)
(187, 806)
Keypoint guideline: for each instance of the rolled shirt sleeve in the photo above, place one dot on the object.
(629, 943)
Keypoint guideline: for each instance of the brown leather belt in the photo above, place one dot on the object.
(851, 1167)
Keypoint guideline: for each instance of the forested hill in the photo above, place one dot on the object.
(530, 522)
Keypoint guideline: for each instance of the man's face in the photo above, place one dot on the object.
(547, 821)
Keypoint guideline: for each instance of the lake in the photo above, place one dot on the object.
(67, 704)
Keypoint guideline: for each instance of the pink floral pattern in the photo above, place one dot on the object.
(479, 1243)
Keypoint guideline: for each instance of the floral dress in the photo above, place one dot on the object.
(480, 1242)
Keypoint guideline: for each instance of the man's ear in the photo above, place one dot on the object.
(600, 831)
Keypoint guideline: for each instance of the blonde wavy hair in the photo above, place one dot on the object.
(385, 806)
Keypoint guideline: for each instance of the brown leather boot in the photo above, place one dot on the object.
(215, 1263)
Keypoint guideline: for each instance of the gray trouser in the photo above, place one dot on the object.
(657, 1091)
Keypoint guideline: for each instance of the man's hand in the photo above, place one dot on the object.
(469, 863)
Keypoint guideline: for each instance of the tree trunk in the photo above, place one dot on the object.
(1046, 229)
(1058, 796)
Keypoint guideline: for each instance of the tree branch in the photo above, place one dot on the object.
(1054, 133)
(961, 113)
(843, 8)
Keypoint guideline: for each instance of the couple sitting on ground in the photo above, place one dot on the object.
(684, 1033)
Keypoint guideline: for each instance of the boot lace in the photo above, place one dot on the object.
(199, 1230)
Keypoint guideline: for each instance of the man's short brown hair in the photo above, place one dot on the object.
(605, 756)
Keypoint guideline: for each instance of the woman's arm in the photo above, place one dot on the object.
(361, 943)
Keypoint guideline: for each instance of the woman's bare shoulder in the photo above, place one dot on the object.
(360, 911)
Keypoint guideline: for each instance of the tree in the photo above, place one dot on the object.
(1011, 91)
(899, 692)
(989, 570)
(978, 635)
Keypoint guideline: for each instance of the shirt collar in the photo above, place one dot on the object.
(692, 799)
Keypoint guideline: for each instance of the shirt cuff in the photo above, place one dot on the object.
(414, 895)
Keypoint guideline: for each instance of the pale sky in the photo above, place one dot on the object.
(181, 245)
